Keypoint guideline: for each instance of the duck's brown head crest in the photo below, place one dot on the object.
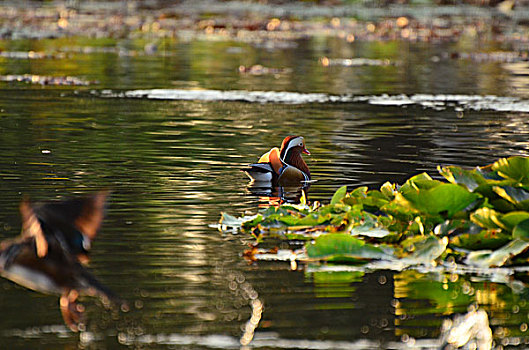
(291, 144)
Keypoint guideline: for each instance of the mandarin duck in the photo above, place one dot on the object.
(48, 255)
(284, 166)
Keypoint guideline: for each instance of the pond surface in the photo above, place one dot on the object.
(173, 165)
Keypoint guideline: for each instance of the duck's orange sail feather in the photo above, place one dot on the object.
(273, 158)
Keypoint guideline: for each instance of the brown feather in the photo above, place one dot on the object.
(291, 175)
(297, 161)
(31, 228)
(286, 141)
(92, 214)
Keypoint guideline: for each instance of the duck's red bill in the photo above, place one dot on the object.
(306, 151)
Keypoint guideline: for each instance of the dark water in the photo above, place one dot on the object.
(173, 166)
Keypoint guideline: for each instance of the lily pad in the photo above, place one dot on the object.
(484, 211)
(418, 182)
(343, 247)
(516, 195)
(485, 239)
(231, 221)
(515, 168)
(427, 250)
(487, 218)
(471, 179)
(497, 258)
(388, 190)
(521, 230)
(510, 220)
(442, 199)
(374, 232)
(339, 195)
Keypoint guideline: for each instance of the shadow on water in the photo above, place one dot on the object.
(173, 165)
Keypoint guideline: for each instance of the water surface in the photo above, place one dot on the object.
(174, 164)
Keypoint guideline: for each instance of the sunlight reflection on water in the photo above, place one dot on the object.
(436, 102)
(173, 159)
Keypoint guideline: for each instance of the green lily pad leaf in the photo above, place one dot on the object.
(485, 239)
(510, 220)
(230, 221)
(419, 182)
(497, 258)
(312, 220)
(253, 222)
(360, 192)
(516, 195)
(521, 230)
(388, 190)
(489, 174)
(448, 227)
(428, 250)
(468, 178)
(515, 168)
(374, 232)
(339, 195)
(444, 199)
(343, 247)
(375, 199)
(488, 192)
(487, 218)
(400, 208)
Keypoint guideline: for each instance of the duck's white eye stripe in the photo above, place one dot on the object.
(294, 142)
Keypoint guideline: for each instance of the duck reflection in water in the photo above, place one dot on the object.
(281, 173)
(50, 253)
(277, 195)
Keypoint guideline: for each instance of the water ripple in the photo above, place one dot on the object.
(436, 102)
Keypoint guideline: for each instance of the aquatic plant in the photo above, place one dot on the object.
(477, 218)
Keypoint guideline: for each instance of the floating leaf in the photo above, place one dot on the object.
(485, 239)
(360, 192)
(343, 247)
(510, 220)
(515, 168)
(312, 220)
(471, 179)
(233, 222)
(427, 250)
(488, 258)
(489, 174)
(374, 200)
(481, 210)
(449, 227)
(421, 181)
(488, 192)
(521, 230)
(388, 190)
(339, 195)
(375, 232)
(443, 199)
(400, 208)
(487, 218)
(516, 195)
